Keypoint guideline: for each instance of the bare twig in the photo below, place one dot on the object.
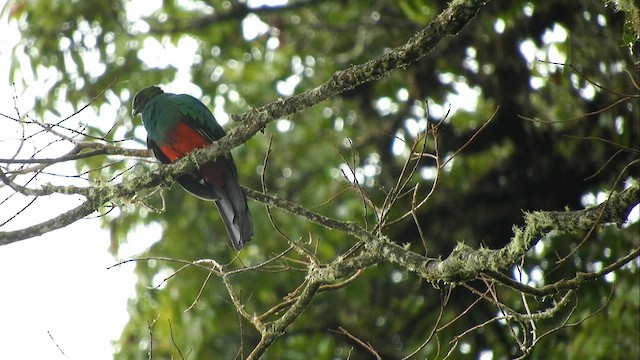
(362, 343)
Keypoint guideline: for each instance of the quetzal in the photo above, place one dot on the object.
(179, 124)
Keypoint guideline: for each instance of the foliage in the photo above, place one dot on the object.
(561, 128)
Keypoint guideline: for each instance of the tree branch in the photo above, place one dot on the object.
(564, 284)
(273, 330)
(57, 222)
(466, 263)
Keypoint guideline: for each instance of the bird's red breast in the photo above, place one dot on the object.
(183, 140)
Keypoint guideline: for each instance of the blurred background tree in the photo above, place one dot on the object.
(560, 75)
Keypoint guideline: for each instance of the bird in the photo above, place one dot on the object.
(178, 124)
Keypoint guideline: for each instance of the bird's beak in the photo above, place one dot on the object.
(134, 112)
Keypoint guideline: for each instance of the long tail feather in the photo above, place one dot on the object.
(236, 219)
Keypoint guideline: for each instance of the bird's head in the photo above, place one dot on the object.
(142, 98)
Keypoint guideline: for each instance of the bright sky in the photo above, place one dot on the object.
(55, 290)
(58, 286)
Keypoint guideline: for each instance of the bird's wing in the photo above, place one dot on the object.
(195, 114)
(198, 117)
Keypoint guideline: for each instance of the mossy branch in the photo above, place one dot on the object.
(466, 263)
